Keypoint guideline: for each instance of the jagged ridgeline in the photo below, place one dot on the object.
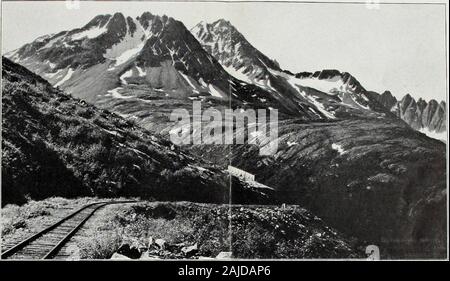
(420, 115)
(154, 63)
(57, 145)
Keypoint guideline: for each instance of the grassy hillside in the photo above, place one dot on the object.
(56, 145)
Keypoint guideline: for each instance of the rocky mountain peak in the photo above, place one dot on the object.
(222, 40)
(100, 20)
(388, 100)
(421, 115)
(243, 61)
(223, 25)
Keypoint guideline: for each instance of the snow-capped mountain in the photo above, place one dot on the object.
(114, 57)
(122, 63)
(333, 94)
(426, 117)
(234, 52)
(152, 49)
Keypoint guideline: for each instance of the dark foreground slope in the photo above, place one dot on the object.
(55, 145)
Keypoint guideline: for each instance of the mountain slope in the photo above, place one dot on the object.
(113, 54)
(55, 145)
(330, 93)
(335, 94)
(377, 180)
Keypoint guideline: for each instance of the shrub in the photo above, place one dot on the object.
(96, 152)
(253, 242)
(87, 113)
(100, 245)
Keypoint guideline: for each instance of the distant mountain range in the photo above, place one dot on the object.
(331, 93)
(421, 115)
(238, 57)
(113, 55)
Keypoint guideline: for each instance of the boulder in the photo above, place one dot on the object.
(205, 258)
(148, 256)
(132, 252)
(161, 243)
(224, 255)
(117, 256)
(189, 251)
(150, 243)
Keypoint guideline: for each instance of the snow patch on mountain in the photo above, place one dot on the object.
(128, 54)
(237, 73)
(140, 71)
(289, 143)
(127, 74)
(295, 83)
(250, 77)
(330, 86)
(188, 79)
(215, 92)
(91, 33)
(115, 94)
(51, 75)
(130, 46)
(317, 104)
(338, 148)
(52, 65)
(69, 73)
(52, 42)
(350, 102)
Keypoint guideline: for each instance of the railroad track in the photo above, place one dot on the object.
(47, 243)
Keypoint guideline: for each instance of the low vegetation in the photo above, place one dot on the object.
(250, 231)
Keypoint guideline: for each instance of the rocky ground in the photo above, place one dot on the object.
(162, 230)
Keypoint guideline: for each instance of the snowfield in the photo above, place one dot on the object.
(90, 33)
(67, 77)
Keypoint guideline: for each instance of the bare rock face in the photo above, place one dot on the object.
(420, 114)
(338, 95)
(387, 99)
(326, 94)
(113, 55)
(225, 43)
(224, 256)
(117, 256)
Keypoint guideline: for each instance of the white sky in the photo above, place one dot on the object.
(396, 47)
